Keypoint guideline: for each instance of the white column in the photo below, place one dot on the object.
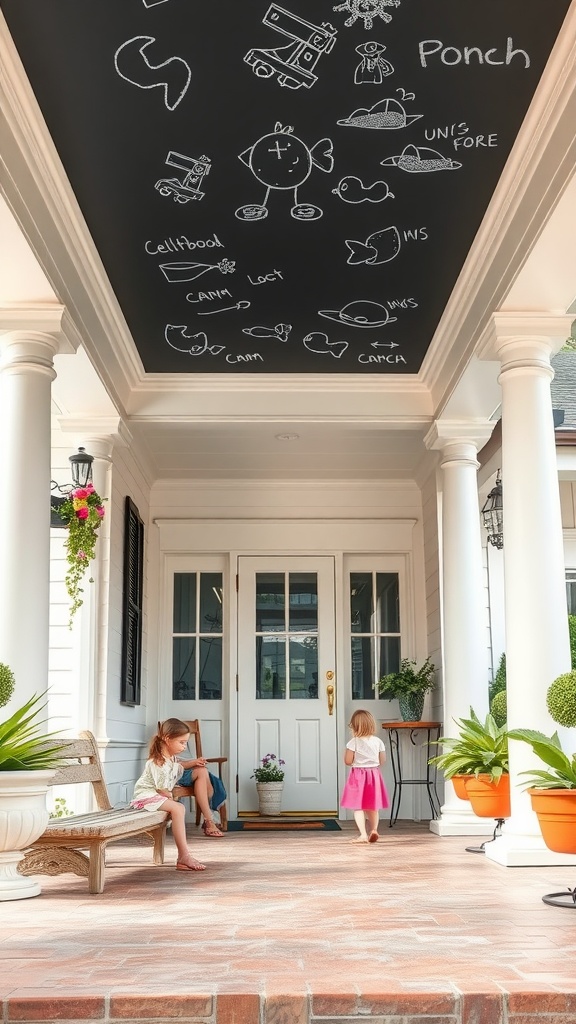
(537, 645)
(465, 642)
(26, 375)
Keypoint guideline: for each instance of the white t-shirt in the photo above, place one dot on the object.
(366, 751)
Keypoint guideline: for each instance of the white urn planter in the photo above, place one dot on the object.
(269, 797)
(23, 818)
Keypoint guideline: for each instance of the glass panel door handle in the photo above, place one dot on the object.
(330, 695)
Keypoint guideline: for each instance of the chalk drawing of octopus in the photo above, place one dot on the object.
(368, 10)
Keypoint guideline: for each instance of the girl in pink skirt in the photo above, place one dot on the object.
(365, 792)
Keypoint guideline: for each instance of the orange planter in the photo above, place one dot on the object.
(489, 799)
(459, 783)
(556, 810)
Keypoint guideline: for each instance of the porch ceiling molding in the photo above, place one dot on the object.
(111, 427)
(446, 432)
(550, 327)
(41, 318)
(536, 175)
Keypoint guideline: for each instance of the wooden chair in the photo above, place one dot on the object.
(188, 791)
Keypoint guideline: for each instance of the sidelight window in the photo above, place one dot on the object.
(374, 629)
(197, 636)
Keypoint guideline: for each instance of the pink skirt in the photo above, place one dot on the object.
(365, 790)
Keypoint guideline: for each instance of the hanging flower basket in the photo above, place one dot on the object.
(82, 513)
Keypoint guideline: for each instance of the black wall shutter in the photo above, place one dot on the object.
(132, 613)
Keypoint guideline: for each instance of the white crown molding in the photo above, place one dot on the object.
(41, 199)
(196, 485)
(288, 382)
(111, 428)
(445, 432)
(550, 327)
(536, 174)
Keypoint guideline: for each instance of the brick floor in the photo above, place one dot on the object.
(284, 928)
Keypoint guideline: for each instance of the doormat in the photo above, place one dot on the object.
(314, 825)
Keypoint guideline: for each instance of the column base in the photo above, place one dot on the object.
(524, 851)
(454, 822)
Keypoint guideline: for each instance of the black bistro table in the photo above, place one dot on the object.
(430, 734)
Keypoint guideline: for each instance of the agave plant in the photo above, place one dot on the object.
(23, 747)
(479, 749)
(549, 750)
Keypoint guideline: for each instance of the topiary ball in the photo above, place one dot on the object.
(561, 699)
(498, 708)
(7, 684)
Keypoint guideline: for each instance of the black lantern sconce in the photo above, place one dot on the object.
(492, 515)
(81, 470)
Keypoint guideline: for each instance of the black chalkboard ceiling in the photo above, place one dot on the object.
(287, 187)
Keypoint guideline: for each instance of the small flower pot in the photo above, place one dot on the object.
(489, 799)
(411, 706)
(556, 810)
(269, 797)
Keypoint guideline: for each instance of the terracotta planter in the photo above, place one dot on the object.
(556, 810)
(489, 799)
(459, 783)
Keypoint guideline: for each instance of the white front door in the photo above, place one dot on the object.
(286, 663)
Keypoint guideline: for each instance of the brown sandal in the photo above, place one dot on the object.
(211, 830)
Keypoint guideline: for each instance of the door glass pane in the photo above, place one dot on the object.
(388, 615)
(211, 602)
(388, 649)
(361, 602)
(362, 669)
(183, 668)
(270, 602)
(270, 668)
(210, 673)
(303, 653)
(184, 602)
(303, 591)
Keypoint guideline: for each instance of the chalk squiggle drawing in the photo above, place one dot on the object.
(152, 3)
(386, 114)
(380, 247)
(281, 332)
(367, 10)
(176, 272)
(199, 349)
(242, 304)
(319, 343)
(134, 66)
(186, 188)
(373, 66)
(352, 190)
(365, 314)
(292, 64)
(282, 162)
(421, 160)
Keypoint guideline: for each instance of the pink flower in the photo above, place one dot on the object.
(89, 489)
(82, 513)
(81, 555)
(81, 493)
(100, 511)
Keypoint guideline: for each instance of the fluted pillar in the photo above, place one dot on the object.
(465, 647)
(537, 645)
(26, 375)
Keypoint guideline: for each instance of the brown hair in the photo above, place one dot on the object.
(167, 730)
(363, 723)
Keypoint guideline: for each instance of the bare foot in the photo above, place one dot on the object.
(359, 839)
(373, 837)
(190, 864)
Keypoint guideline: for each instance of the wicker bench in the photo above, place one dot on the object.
(58, 850)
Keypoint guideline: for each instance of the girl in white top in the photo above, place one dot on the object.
(365, 792)
(153, 790)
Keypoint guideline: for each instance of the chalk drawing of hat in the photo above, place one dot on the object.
(420, 160)
(360, 314)
(387, 113)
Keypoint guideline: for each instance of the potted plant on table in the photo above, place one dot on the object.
(409, 685)
(476, 761)
(269, 777)
(28, 759)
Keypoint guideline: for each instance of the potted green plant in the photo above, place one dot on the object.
(478, 756)
(269, 777)
(409, 686)
(28, 759)
(82, 511)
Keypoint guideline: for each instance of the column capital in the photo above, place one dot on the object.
(99, 434)
(469, 435)
(524, 338)
(19, 320)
